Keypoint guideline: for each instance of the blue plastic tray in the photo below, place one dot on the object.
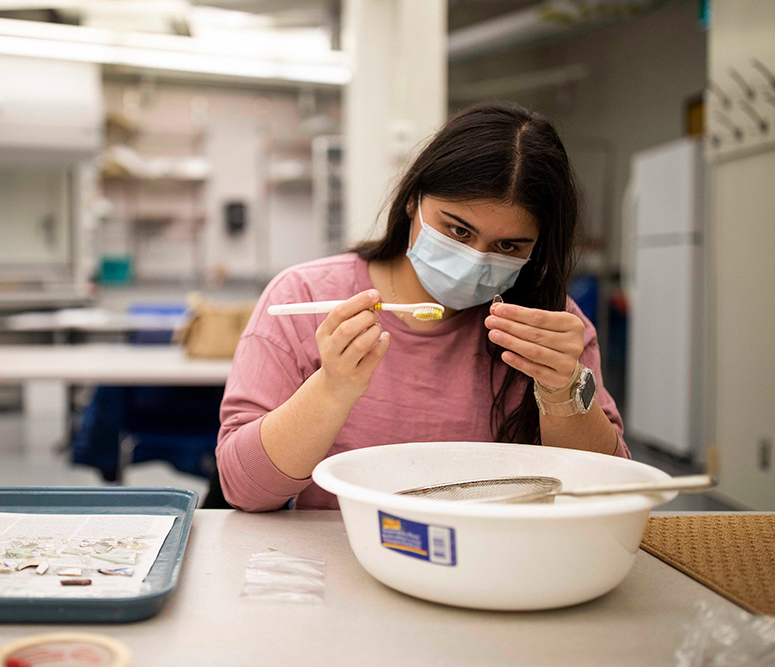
(162, 578)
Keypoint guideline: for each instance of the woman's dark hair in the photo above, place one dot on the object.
(504, 153)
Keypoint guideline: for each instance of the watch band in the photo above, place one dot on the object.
(565, 409)
(577, 404)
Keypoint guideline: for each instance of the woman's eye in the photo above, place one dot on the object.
(506, 246)
(459, 232)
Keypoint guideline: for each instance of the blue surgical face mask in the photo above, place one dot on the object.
(457, 276)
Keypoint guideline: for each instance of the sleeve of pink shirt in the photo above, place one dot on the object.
(269, 366)
(590, 357)
(249, 479)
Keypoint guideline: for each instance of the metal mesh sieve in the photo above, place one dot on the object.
(503, 489)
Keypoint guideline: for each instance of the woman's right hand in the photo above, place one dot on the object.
(351, 344)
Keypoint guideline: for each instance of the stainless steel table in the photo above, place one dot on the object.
(361, 622)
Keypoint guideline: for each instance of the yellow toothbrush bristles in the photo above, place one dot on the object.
(427, 313)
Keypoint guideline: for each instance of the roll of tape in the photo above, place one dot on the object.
(65, 649)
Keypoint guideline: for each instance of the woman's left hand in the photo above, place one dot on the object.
(544, 344)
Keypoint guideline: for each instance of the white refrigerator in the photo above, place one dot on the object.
(664, 342)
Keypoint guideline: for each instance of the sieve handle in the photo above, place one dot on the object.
(686, 483)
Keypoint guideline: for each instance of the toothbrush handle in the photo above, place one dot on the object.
(398, 307)
(303, 308)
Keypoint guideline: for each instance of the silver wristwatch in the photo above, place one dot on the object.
(583, 392)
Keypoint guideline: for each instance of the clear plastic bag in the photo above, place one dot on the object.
(724, 637)
(279, 577)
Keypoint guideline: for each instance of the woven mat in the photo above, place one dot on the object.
(732, 554)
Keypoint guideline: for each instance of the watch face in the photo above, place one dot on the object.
(588, 388)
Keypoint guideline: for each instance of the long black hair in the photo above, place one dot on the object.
(504, 153)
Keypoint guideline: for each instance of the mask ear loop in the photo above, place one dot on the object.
(411, 221)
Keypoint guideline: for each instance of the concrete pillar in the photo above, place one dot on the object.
(397, 97)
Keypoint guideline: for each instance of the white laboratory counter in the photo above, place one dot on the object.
(362, 622)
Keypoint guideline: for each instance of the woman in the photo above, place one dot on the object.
(489, 207)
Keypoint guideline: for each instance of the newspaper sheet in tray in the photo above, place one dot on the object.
(78, 555)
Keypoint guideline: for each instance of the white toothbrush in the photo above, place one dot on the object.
(421, 311)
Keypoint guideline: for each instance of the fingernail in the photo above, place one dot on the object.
(374, 294)
(384, 335)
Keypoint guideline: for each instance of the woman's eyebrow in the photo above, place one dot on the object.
(464, 223)
(469, 226)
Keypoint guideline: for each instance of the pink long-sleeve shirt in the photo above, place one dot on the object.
(431, 386)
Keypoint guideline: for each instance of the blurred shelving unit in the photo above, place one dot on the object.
(207, 185)
(156, 178)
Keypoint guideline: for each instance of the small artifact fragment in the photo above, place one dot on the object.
(17, 551)
(119, 558)
(120, 571)
(70, 572)
(133, 543)
(102, 548)
(33, 562)
(75, 582)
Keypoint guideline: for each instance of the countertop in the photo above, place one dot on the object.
(362, 622)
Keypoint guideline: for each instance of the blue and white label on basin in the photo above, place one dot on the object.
(436, 544)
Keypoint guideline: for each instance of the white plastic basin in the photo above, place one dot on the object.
(489, 556)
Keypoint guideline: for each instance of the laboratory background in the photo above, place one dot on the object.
(162, 160)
